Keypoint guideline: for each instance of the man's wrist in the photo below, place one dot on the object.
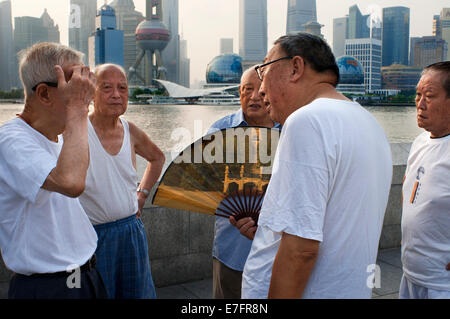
(143, 191)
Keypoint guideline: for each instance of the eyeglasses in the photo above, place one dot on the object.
(52, 84)
(259, 70)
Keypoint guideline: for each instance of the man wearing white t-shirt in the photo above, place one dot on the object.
(46, 239)
(426, 192)
(320, 224)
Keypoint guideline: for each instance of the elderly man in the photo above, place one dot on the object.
(230, 248)
(111, 200)
(426, 192)
(322, 215)
(44, 231)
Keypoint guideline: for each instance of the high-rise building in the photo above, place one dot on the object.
(396, 35)
(445, 27)
(8, 63)
(400, 77)
(428, 50)
(340, 34)
(82, 25)
(127, 20)
(106, 43)
(171, 54)
(185, 67)
(252, 31)
(30, 30)
(300, 12)
(368, 52)
(226, 46)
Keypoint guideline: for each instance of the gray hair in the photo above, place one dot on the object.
(313, 49)
(37, 63)
(444, 69)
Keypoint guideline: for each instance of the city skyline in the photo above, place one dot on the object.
(204, 22)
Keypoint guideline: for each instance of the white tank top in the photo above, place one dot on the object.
(111, 181)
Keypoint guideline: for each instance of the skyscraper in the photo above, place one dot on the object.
(428, 50)
(340, 34)
(30, 30)
(226, 45)
(368, 52)
(300, 12)
(185, 65)
(82, 25)
(357, 24)
(127, 20)
(252, 31)
(171, 54)
(8, 63)
(396, 35)
(445, 27)
(106, 43)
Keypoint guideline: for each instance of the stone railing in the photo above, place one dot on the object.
(180, 243)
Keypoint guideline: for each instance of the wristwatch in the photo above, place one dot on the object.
(143, 190)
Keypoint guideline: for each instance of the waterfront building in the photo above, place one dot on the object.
(185, 65)
(400, 77)
(82, 25)
(252, 30)
(225, 69)
(8, 63)
(357, 24)
(171, 55)
(31, 30)
(351, 76)
(300, 12)
(226, 46)
(428, 50)
(368, 53)
(340, 34)
(445, 27)
(128, 19)
(396, 22)
(106, 43)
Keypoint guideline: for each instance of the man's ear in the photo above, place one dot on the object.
(43, 94)
(298, 68)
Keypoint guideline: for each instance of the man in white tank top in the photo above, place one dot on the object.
(111, 200)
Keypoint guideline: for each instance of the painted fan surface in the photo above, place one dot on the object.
(225, 173)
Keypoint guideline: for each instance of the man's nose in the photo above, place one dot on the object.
(420, 103)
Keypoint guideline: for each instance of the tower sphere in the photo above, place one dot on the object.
(152, 35)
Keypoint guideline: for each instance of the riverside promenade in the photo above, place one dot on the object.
(180, 244)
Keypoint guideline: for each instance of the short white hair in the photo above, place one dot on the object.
(101, 67)
(37, 63)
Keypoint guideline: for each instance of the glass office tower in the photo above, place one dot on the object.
(300, 12)
(396, 35)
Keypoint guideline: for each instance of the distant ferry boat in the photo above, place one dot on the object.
(219, 99)
(165, 100)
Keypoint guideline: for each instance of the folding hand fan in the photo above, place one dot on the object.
(225, 173)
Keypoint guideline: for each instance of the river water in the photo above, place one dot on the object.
(172, 126)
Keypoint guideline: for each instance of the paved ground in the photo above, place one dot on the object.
(388, 260)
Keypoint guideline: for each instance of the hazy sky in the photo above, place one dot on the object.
(204, 22)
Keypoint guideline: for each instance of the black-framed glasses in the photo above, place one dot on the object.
(259, 70)
(52, 84)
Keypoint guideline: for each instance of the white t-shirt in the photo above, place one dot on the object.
(111, 181)
(426, 213)
(40, 231)
(330, 183)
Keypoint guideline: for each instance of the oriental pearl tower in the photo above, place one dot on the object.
(152, 36)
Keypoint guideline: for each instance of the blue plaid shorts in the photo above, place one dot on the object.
(123, 261)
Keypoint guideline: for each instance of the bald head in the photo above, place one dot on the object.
(109, 66)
